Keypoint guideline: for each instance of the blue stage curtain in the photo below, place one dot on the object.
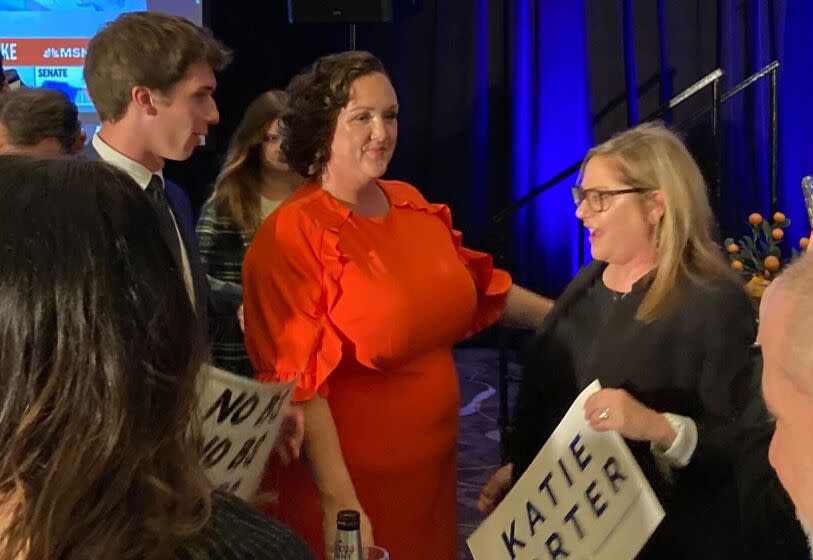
(744, 39)
(794, 18)
(550, 129)
(482, 144)
(753, 33)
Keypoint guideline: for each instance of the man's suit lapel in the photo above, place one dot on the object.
(182, 211)
(89, 153)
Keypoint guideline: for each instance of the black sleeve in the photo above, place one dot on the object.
(727, 379)
(544, 398)
(524, 435)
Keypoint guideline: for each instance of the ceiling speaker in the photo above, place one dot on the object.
(340, 11)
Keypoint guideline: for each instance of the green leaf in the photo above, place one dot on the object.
(775, 251)
(728, 241)
(749, 243)
(766, 229)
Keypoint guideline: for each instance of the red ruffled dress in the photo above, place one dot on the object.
(367, 309)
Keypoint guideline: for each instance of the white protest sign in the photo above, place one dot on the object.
(583, 497)
(240, 421)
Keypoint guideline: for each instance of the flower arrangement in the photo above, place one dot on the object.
(758, 257)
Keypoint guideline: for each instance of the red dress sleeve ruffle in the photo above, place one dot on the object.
(290, 281)
(492, 283)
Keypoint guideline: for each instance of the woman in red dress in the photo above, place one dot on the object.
(361, 287)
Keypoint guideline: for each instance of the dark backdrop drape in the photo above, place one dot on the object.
(446, 62)
(497, 96)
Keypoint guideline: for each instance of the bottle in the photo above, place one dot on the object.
(348, 536)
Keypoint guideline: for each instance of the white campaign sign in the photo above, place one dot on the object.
(583, 497)
(240, 421)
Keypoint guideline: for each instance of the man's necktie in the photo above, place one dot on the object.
(158, 198)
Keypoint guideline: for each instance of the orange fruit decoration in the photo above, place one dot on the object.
(779, 217)
(771, 263)
(766, 274)
(755, 219)
(733, 248)
(756, 286)
(736, 265)
(777, 234)
(803, 242)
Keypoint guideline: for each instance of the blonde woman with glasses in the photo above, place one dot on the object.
(665, 326)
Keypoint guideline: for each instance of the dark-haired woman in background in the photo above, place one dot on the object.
(254, 181)
(98, 366)
(360, 284)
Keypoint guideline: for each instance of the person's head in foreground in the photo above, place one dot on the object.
(643, 200)
(342, 121)
(785, 321)
(98, 457)
(39, 122)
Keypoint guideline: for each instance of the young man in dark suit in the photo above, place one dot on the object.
(151, 78)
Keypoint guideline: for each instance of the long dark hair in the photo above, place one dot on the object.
(237, 185)
(98, 362)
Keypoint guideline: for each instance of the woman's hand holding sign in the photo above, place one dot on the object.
(493, 491)
(615, 409)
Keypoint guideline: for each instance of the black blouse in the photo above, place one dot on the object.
(694, 362)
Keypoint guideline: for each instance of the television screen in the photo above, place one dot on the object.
(45, 41)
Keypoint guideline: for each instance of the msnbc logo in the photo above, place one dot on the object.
(64, 52)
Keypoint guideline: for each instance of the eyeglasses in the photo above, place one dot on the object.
(598, 199)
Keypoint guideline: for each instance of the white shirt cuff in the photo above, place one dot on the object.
(682, 449)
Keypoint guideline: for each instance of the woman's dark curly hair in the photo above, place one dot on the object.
(315, 98)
